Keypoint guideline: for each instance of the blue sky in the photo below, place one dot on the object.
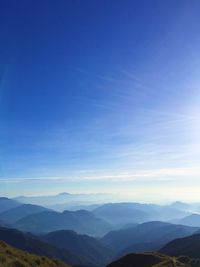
(100, 96)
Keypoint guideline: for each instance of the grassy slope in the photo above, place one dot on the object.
(12, 257)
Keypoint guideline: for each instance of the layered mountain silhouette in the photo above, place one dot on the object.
(191, 220)
(80, 221)
(14, 214)
(121, 213)
(124, 213)
(188, 246)
(83, 245)
(75, 237)
(149, 236)
(74, 205)
(64, 200)
(32, 244)
(181, 206)
(6, 204)
(12, 257)
(191, 207)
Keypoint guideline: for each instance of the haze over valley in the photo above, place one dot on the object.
(98, 234)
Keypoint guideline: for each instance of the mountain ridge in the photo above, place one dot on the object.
(83, 245)
(82, 221)
(188, 246)
(32, 244)
(153, 232)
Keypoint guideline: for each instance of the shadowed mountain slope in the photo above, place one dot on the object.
(140, 248)
(151, 232)
(83, 245)
(34, 245)
(188, 246)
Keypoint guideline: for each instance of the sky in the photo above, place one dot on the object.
(100, 97)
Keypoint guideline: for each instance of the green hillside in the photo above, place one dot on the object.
(12, 257)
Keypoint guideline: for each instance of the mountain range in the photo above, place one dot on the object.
(146, 236)
(188, 246)
(63, 245)
(33, 244)
(83, 245)
(123, 213)
(6, 204)
(81, 221)
(190, 220)
(101, 234)
(63, 201)
(14, 214)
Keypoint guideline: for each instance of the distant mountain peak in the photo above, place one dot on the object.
(64, 194)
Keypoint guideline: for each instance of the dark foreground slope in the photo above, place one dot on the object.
(153, 260)
(12, 257)
(32, 244)
(188, 246)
